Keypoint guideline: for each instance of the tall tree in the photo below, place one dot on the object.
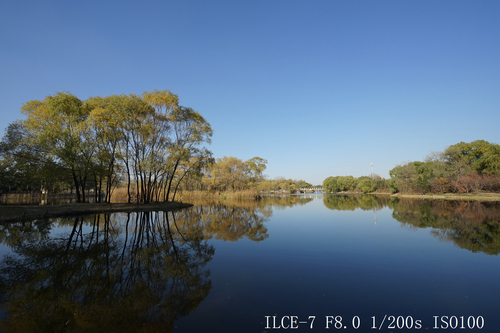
(55, 124)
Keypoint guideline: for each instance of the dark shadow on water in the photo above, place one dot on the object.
(104, 275)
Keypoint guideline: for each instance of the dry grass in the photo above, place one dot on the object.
(121, 193)
(244, 194)
(17, 198)
(454, 196)
(197, 194)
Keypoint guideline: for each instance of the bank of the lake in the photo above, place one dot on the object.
(9, 213)
(453, 196)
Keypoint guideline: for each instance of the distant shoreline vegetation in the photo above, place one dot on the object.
(463, 168)
(149, 148)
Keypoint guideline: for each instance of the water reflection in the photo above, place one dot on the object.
(470, 225)
(41, 199)
(280, 202)
(132, 272)
(15, 233)
(351, 202)
(142, 271)
(230, 220)
(227, 221)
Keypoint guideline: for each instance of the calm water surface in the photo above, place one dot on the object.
(345, 262)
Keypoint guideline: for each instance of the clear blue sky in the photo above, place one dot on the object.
(318, 88)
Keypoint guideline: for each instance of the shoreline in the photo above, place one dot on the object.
(452, 196)
(18, 213)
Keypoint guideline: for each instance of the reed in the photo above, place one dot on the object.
(244, 194)
(121, 193)
(197, 194)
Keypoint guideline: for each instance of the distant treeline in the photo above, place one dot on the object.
(363, 184)
(233, 174)
(461, 168)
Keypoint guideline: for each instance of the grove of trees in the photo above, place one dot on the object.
(280, 184)
(461, 168)
(148, 142)
(350, 183)
(233, 174)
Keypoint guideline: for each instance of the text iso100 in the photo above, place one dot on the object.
(460, 322)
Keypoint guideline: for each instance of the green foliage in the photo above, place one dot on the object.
(352, 202)
(367, 185)
(152, 139)
(392, 186)
(231, 174)
(330, 185)
(473, 226)
(345, 183)
(303, 184)
(404, 176)
(480, 156)
(460, 168)
(280, 184)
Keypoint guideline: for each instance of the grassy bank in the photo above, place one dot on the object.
(454, 196)
(10, 213)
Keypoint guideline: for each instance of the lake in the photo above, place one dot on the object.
(303, 263)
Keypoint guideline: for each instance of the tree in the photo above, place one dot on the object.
(106, 122)
(148, 137)
(439, 185)
(255, 167)
(21, 166)
(367, 185)
(403, 177)
(231, 174)
(346, 183)
(190, 131)
(480, 156)
(55, 125)
(133, 115)
(330, 184)
(199, 160)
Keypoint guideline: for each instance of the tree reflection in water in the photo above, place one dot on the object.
(351, 202)
(96, 278)
(141, 271)
(227, 221)
(470, 225)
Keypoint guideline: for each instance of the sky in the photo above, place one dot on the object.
(317, 88)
